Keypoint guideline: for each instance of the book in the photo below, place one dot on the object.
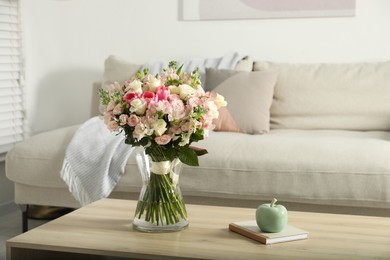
(251, 230)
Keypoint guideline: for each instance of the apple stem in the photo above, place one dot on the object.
(273, 202)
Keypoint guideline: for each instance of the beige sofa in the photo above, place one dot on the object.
(328, 148)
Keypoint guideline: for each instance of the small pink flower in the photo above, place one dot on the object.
(107, 117)
(163, 139)
(118, 109)
(187, 127)
(174, 130)
(110, 106)
(133, 120)
(207, 122)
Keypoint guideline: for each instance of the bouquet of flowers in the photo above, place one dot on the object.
(164, 113)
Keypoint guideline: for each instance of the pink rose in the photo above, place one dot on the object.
(112, 126)
(163, 93)
(163, 139)
(123, 119)
(133, 120)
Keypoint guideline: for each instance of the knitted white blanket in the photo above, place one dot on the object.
(95, 159)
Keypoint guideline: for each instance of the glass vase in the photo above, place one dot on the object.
(160, 206)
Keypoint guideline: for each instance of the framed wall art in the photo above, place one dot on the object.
(265, 9)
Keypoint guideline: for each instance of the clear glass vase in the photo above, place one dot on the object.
(160, 206)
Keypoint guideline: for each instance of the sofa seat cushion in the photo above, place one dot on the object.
(37, 161)
(326, 167)
(316, 166)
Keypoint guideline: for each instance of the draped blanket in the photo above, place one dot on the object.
(95, 159)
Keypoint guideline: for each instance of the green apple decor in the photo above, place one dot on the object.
(271, 218)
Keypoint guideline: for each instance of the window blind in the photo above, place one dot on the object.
(11, 81)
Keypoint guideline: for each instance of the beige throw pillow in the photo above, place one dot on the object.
(249, 96)
(117, 69)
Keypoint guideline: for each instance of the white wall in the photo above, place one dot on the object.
(66, 43)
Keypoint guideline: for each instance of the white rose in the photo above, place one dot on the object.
(160, 127)
(152, 83)
(135, 85)
(174, 89)
(186, 91)
(213, 110)
(138, 106)
(220, 101)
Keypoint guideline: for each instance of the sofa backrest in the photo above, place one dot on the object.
(350, 96)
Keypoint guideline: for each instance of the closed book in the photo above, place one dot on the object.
(251, 230)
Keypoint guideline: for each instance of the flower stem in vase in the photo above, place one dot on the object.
(161, 204)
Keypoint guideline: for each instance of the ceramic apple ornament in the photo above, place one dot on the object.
(271, 217)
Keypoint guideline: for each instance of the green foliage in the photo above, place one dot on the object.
(175, 82)
(172, 64)
(188, 156)
(104, 97)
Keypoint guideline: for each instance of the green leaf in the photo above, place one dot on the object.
(144, 141)
(139, 75)
(188, 156)
(170, 153)
(178, 71)
(198, 135)
(199, 151)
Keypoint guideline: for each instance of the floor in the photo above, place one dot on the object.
(10, 226)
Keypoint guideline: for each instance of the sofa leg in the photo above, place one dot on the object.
(24, 209)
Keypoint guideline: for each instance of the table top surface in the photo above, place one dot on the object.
(105, 228)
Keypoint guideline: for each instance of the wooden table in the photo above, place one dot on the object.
(103, 230)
